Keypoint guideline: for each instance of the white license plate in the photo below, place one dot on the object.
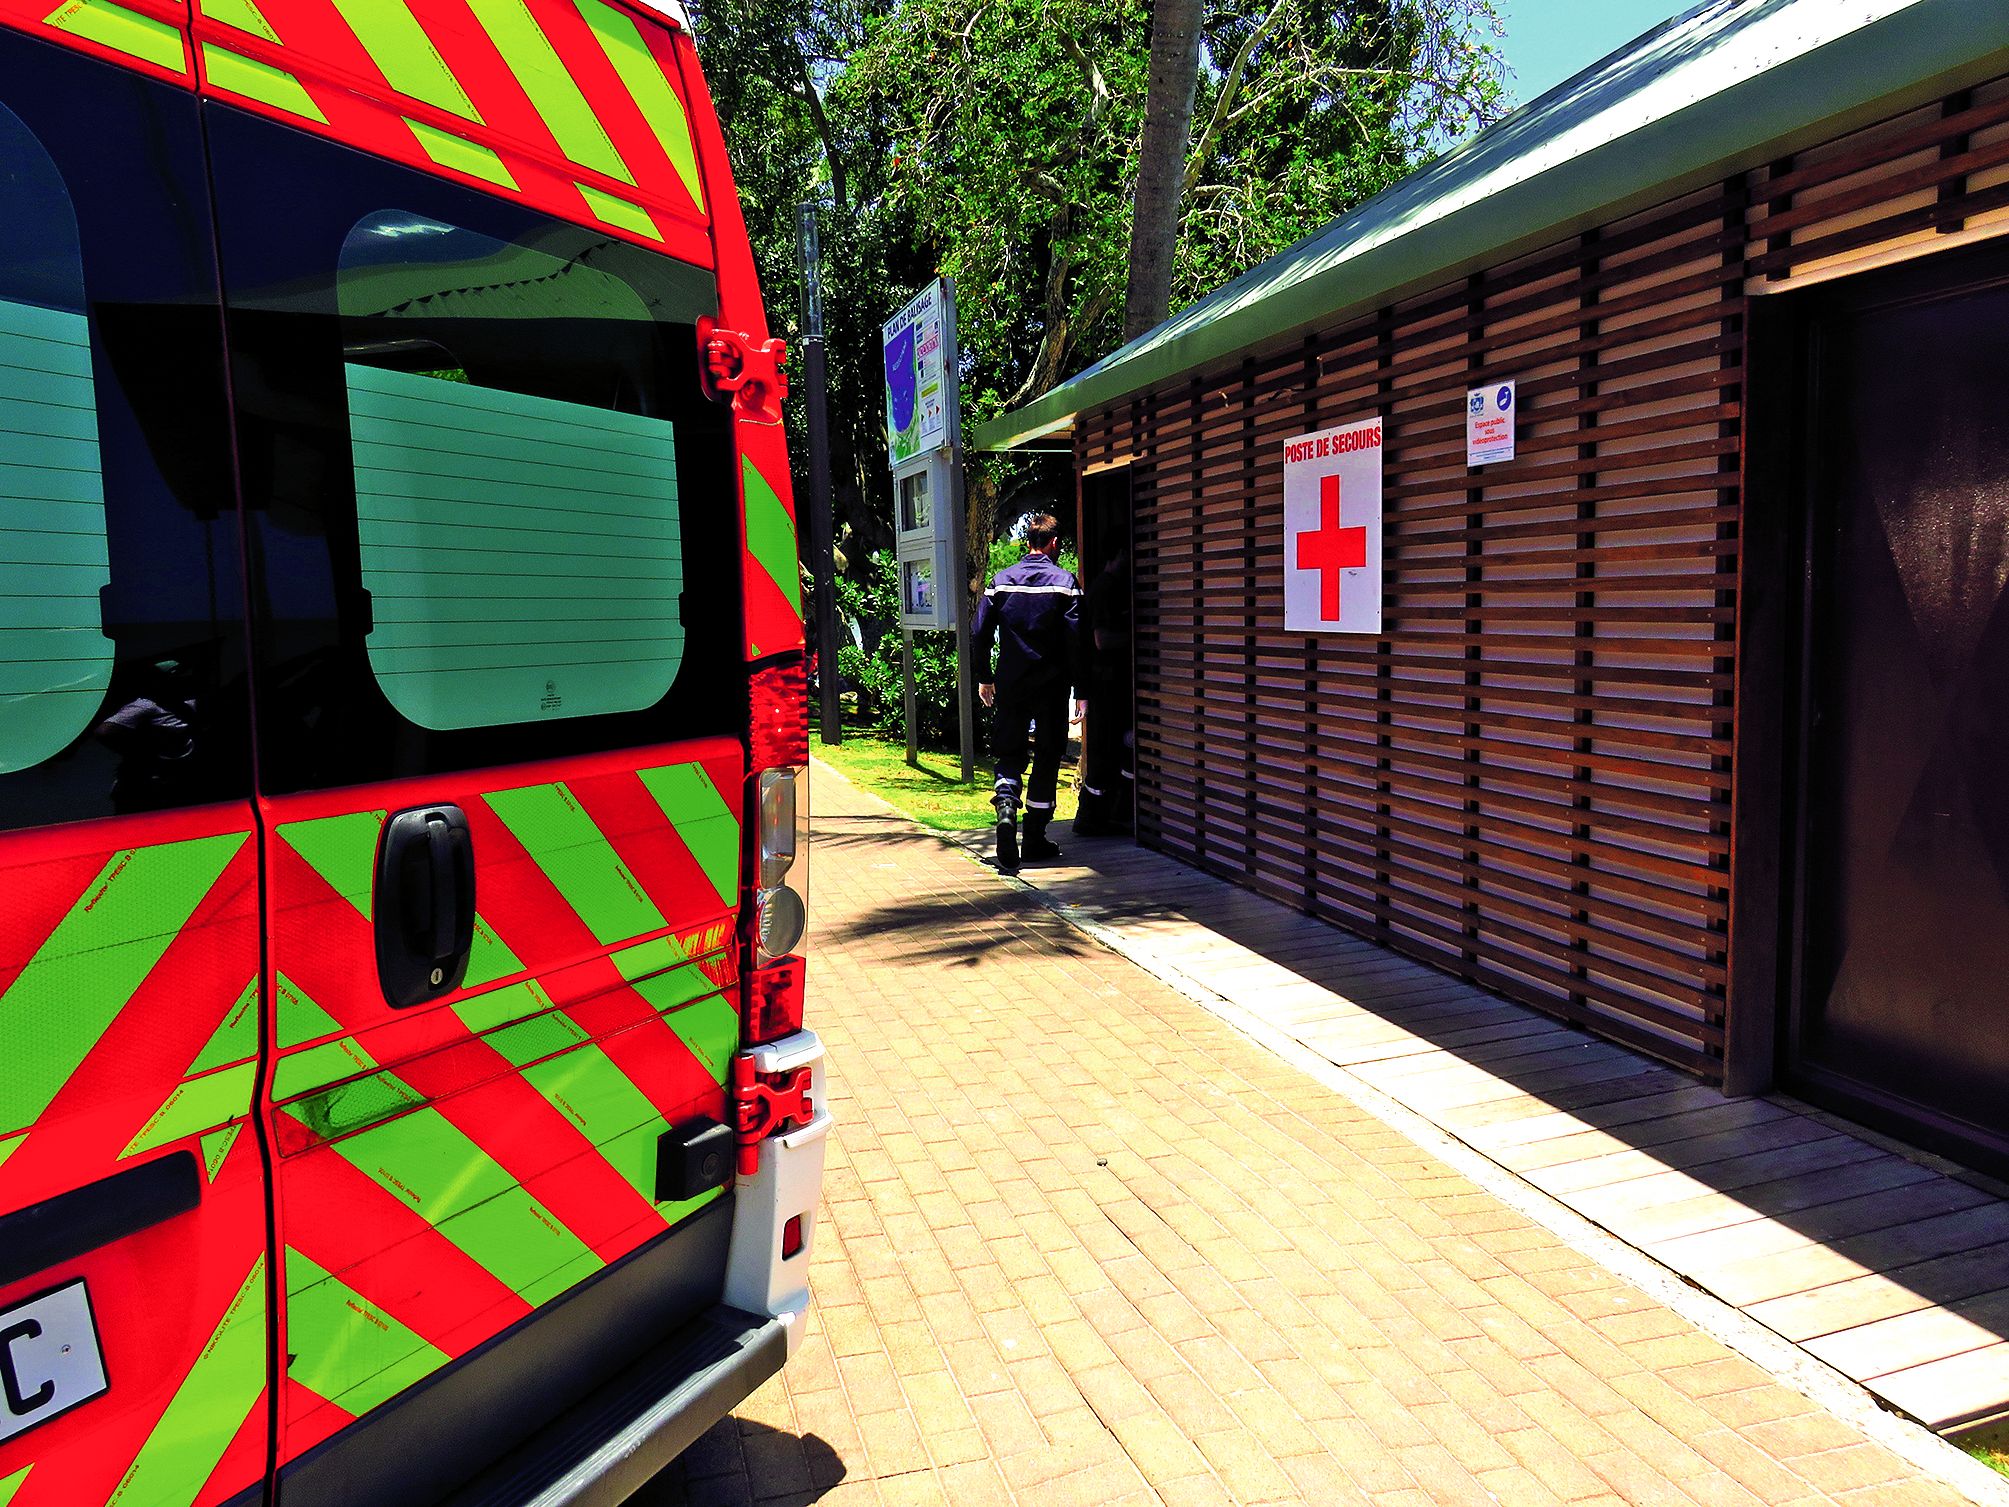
(49, 1358)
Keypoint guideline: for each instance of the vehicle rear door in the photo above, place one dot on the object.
(133, 1342)
(500, 712)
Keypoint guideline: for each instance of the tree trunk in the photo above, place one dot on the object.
(1161, 165)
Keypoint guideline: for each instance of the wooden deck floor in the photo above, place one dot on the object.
(1891, 1267)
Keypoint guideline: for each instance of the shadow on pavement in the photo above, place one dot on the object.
(740, 1463)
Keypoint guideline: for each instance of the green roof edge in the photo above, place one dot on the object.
(1883, 68)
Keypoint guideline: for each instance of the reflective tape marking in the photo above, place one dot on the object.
(770, 534)
(405, 55)
(703, 820)
(88, 969)
(252, 79)
(122, 30)
(550, 88)
(618, 212)
(576, 857)
(622, 41)
(460, 154)
(346, 1348)
(209, 1407)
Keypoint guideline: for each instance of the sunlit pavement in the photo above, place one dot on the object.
(1083, 1243)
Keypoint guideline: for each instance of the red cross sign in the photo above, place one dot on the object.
(1332, 530)
(1330, 550)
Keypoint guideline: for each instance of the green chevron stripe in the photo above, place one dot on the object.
(498, 1007)
(208, 1408)
(346, 1348)
(12, 1484)
(622, 41)
(260, 81)
(91, 965)
(551, 89)
(622, 214)
(671, 991)
(122, 30)
(342, 850)
(587, 1088)
(648, 957)
(237, 1038)
(242, 14)
(305, 1071)
(425, 1161)
(350, 1106)
(540, 1036)
(710, 1029)
(490, 958)
(405, 55)
(215, 1147)
(300, 1019)
(460, 154)
(578, 861)
(199, 1104)
(703, 819)
(12, 1144)
(770, 533)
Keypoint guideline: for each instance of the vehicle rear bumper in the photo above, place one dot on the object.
(607, 1447)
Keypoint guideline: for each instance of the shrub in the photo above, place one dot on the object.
(870, 662)
(868, 656)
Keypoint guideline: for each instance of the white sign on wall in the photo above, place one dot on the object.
(1489, 423)
(1332, 530)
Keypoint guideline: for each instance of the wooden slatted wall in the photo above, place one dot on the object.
(1526, 779)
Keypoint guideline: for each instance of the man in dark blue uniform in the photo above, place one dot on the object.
(1032, 613)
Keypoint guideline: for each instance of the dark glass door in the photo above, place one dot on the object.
(1903, 990)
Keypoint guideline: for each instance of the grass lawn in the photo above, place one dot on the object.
(1991, 1447)
(934, 795)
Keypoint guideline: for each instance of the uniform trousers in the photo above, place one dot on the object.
(1031, 719)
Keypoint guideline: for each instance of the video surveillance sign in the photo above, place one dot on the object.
(1489, 423)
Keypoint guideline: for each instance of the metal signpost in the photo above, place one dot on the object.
(822, 564)
(924, 447)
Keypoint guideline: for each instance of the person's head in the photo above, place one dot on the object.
(1042, 535)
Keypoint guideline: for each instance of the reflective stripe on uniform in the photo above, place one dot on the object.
(1039, 805)
(1038, 591)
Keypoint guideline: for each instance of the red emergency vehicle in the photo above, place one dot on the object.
(403, 1090)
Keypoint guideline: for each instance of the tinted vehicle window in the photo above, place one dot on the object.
(491, 512)
(521, 551)
(121, 678)
(53, 560)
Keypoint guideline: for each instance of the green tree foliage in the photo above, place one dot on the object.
(998, 141)
(775, 69)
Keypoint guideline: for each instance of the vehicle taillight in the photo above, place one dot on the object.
(774, 996)
(780, 734)
(779, 744)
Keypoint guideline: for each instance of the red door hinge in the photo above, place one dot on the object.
(765, 1105)
(738, 371)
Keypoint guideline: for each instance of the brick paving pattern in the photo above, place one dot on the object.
(1084, 1244)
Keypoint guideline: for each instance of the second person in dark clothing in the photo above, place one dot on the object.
(1031, 614)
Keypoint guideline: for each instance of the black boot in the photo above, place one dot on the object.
(1037, 848)
(1006, 803)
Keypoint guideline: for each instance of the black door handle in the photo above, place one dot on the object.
(424, 903)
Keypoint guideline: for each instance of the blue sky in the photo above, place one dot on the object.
(1548, 40)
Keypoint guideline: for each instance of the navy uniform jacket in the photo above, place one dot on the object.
(1033, 613)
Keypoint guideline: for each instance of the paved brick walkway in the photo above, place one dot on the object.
(1084, 1244)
